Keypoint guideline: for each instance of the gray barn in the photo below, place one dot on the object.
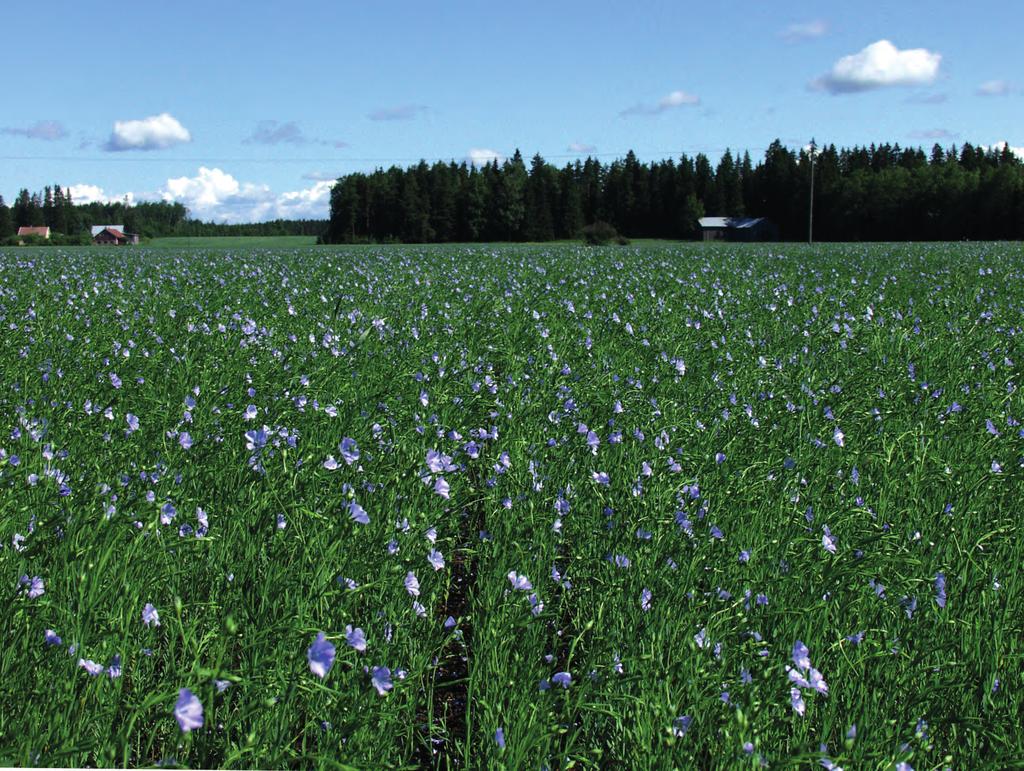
(738, 229)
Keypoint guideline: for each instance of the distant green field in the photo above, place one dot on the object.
(208, 242)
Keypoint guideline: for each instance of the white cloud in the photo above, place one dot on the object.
(321, 176)
(47, 130)
(214, 194)
(677, 99)
(1000, 146)
(481, 156)
(936, 134)
(156, 132)
(995, 88)
(270, 132)
(402, 112)
(668, 102)
(84, 193)
(807, 30)
(312, 203)
(878, 65)
(581, 147)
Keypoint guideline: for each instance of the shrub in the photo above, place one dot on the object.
(601, 233)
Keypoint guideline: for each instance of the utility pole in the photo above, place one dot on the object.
(810, 213)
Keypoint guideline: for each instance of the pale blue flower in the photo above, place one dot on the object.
(349, 450)
(320, 656)
(797, 701)
(358, 514)
(188, 711)
(436, 559)
(356, 638)
(91, 667)
(412, 584)
(563, 679)
(681, 725)
(381, 680)
(519, 582)
(150, 616)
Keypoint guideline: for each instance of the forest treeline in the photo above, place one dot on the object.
(53, 207)
(880, 192)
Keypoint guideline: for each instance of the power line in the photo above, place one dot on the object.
(336, 160)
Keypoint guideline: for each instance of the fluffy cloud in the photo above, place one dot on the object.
(156, 132)
(47, 130)
(995, 88)
(878, 65)
(668, 102)
(402, 112)
(580, 147)
(84, 193)
(270, 132)
(933, 134)
(481, 156)
(1000, 146)
(807, 30)
(321, 176)
(311, 203)
(214, 194)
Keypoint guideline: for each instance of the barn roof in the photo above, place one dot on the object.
(113, 231)
(97, 229)
(34, 231)
(730, 222)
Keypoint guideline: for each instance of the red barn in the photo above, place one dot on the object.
(26, 231)
(114, 237)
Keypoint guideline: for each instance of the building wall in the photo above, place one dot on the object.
(763, 231)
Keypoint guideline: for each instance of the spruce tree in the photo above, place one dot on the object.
(512, 197)
(541, 198)
(49, 209)
(6, 224)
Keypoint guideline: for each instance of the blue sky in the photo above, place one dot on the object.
(245, 111)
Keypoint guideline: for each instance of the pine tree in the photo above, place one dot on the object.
(35, 211)
(592, 180)
(6, 224)
(22, 209)
(512, 197)
(415, 213)
(727, 180)
(474, 206)
(344, 212)
(70, 217)
(692, 211)
(49, 209)
(541, 198)
(747, 184)
(707, 190)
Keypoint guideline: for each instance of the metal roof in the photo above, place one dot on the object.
(100, 228)
(730, 222)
